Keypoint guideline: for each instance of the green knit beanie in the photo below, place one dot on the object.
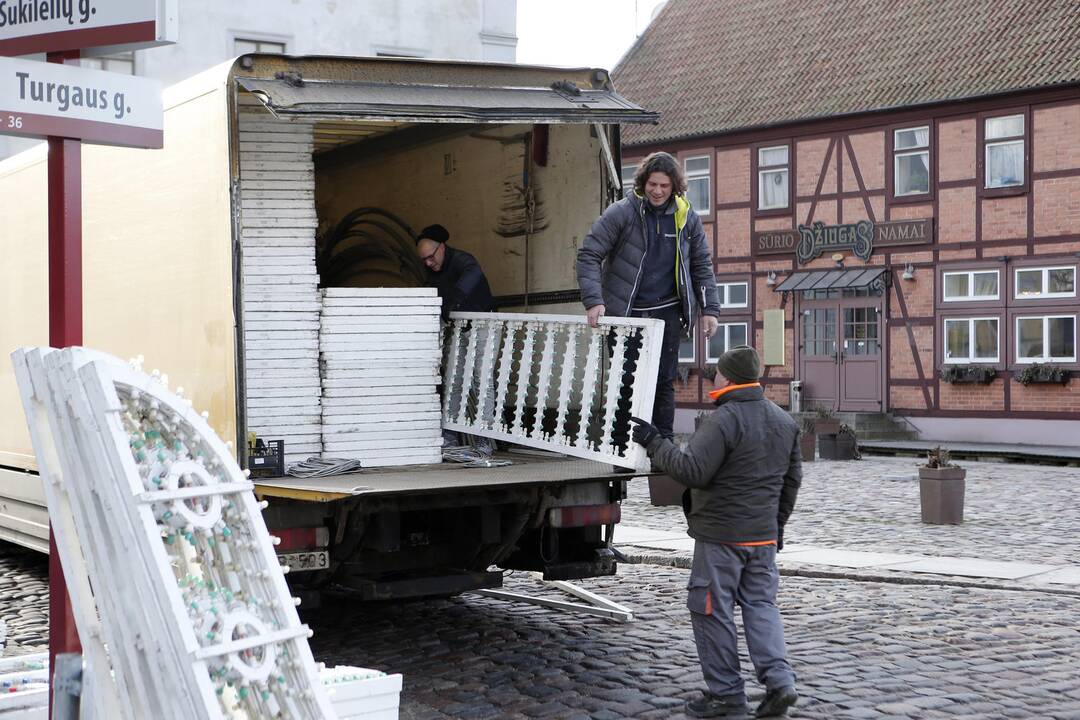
(740, 365)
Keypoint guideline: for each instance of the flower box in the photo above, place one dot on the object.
(968, 374)
(1041, 373)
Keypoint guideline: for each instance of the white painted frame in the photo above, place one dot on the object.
(971, 296)
(971, 357)
(1046, 356)
(1045, 283)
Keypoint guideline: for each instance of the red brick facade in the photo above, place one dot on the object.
(841, 171)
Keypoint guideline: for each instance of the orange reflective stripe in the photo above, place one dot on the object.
(708, 602)
(753, 544)
(717, 394)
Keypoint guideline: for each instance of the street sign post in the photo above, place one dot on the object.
(66, 105)
(35, 26)
(48, 99)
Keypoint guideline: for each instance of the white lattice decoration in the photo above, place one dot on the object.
(193, 605)
(552, 382)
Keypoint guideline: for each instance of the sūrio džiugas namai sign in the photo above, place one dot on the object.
(811, 241)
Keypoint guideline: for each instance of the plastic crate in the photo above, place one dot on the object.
(266, 458)
(362, 694)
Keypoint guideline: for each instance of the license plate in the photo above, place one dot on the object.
(298, 562)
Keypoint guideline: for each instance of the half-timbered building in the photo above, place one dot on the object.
(892, 194)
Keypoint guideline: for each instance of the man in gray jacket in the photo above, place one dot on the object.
(647, 256)
(742, 468)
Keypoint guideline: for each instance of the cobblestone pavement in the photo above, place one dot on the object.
(861, 648)
(24, 599)
(1011, 511)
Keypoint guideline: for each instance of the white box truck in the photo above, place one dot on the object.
(517, 161)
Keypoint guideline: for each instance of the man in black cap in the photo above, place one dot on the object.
(742, 469)
(454, 273)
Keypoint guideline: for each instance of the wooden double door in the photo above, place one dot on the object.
(840, 349)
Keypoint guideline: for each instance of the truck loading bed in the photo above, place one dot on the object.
(527, 470)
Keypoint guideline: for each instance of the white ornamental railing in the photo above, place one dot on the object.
(182, 584)
(552, 382)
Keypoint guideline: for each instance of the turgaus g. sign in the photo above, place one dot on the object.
(64, 96)
(42, 99)
(25, 12)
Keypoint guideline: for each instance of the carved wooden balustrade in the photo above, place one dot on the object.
(552, 382)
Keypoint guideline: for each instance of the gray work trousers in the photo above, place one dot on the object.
(721, 577)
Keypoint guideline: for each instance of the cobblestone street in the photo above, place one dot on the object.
(861, 649)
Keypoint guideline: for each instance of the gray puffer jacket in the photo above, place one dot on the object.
(743, 467)
(609, 260)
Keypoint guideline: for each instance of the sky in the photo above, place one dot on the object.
(580, 33)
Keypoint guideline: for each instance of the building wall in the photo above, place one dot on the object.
(208, 31)
(841, 171)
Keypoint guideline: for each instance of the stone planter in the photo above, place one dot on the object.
(837, 447)
(941, 495)
(827, 426)
(808, 445)
(664, 491)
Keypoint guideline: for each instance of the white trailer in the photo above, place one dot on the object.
(187, 248)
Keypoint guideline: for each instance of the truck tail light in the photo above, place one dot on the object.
(293, 539)
(585, 515)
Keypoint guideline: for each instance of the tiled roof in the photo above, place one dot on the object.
(713, 66)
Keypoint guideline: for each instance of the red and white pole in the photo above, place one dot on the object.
(65, 330)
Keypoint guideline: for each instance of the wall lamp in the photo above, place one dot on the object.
(909, 272)
(771, 279)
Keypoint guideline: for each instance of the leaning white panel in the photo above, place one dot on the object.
(203, 620)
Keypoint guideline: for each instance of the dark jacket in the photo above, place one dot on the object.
(609, 262)
(743, 467)
(461, 284)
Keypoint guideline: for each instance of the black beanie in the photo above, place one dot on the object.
(434, 232)
(740, 365)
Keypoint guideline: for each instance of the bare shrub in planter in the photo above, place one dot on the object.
(941, 489)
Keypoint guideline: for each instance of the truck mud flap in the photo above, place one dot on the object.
(604, 564)
(415, 586)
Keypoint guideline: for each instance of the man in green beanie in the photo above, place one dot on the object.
(742, 469)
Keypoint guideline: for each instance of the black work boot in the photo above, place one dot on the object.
(732, 707)
(777, 701)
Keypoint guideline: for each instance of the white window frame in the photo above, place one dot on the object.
(101, 62)
(971, 358)
(627, 187)
(763, 170)
(1011, 140)
(693, 348)
(1045, 283)
(970, 297)
(726, 329)
(236, 36)
(705, 175)
(918, 150)
(722, 289)
(1046, 338)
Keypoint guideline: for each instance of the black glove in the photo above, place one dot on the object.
(644, 432)
(779, 538)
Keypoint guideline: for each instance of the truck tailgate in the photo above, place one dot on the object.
(527, 470)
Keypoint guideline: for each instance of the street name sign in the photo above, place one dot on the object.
(36, 26)
(42, 99)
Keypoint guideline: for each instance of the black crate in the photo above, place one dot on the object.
(266, 458)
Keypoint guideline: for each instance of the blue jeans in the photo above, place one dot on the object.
(663, 414)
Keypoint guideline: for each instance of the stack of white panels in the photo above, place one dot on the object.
(380, 367)
(281, 301)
